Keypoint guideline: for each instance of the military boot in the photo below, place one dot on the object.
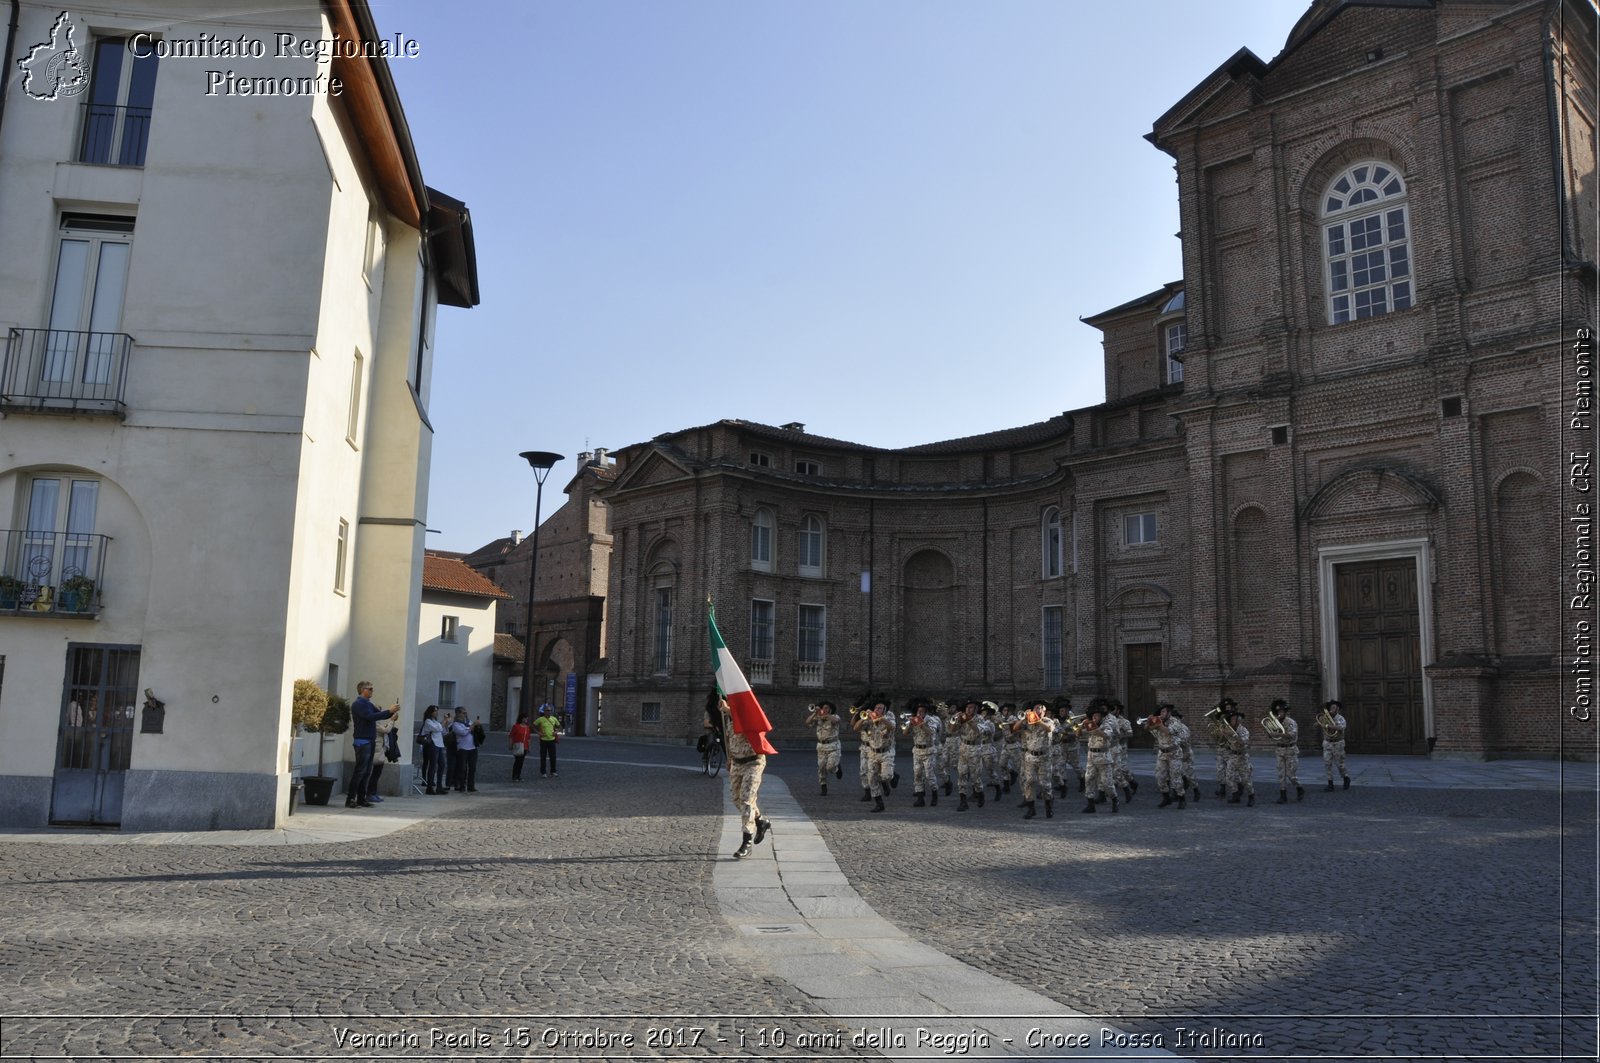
(1166, 799)
(1088, 806)
(838, 773)
(933, 796)
(866, 794)
(1080, 784)
(1235, 799)
(1250, 802)
(894, 781)
(743, 850)
(877, 804)
(1049, 809)
(1299, 792)
(947, 788)
(962, 807)
(1113, 802)
(1347, 782)
(998, 790)
(1222, 791)
(919, 802)
(763, 828)
(1283, 797)
(824, 789)
(1182, 801)
(979, 796)
(1330, 786)
(1031, 812)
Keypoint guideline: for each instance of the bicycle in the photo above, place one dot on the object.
(711, 757)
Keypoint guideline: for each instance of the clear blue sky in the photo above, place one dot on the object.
(882, 218)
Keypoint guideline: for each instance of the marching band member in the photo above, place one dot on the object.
(1239, 776)
(950, 754)
(1186, 751)
(1100, 738)
(973, 728)
(988, 754)
(1034, 730)
(1169, 758)
(877, 735)
(1010, 746)
(924, 728)
(1226, 704)
(1120, 771)
(826, 723)
(859, 711)
(1333, 724)
(1287, 743)
(1064, 748)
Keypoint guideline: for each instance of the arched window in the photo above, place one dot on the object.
(811, 546)
(1367, 243)
(761, 541)
(1050, 543)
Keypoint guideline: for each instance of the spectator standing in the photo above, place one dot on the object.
(548, 737)
(518, 737)
(433, 774)
(364, 737)
(464, 765)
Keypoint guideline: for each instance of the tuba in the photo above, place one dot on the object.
(1330, 730)
(1221, 731)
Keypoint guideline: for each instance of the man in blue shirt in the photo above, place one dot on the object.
(365, 739)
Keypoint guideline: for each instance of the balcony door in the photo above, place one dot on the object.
(58, 537)
(86, 308)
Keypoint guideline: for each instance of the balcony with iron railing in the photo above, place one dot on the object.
(114, 136)
(57, 574)
(58, 371)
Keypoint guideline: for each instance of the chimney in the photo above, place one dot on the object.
(794, 426)
(583, 458)
(600, 456)
(516, 536)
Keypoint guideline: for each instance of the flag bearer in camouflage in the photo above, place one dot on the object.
(1185, 751)
(1100, 736)
(826, 723)
(1034, 730)
(1064, 749)
(988, 749)
(877, 736)
(1120, 771)
(970, 765)
(925, 733)
(745, 768)
(1169, 757)
(1288, 749)
(1239, 775)
(1010, 746)
(950, 754)
(1333, 743)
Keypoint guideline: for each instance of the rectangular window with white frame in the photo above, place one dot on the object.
(1139, 529)
(83, 352)
(1052, 646)
(58, 539)
(352, 429)
(448, 628)
(116, 115)
(341, 556)
(1177, 338)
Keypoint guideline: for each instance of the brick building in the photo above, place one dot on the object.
(1327, 464)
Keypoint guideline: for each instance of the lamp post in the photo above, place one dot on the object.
(542, 461)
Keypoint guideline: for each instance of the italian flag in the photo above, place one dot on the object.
(748, 719)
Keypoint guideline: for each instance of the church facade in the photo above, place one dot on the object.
(1329, 463)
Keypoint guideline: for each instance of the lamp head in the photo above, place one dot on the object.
(541, 461)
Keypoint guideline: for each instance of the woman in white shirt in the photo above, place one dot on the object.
(433, 751)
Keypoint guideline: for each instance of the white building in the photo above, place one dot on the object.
(455, 655)
(217, 310)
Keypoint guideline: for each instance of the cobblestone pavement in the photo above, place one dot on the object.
(1373, 922)
(1402, 922)
(587, 895)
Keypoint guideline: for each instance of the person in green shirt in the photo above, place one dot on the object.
(545, 724)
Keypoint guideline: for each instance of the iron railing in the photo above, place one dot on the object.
(52, 573)
(115, 136)
(54, 369)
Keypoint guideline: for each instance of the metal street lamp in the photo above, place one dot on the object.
(541, 460)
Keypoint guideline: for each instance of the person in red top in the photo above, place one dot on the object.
(519, 735)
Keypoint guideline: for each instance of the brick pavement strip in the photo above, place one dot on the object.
(587, 896)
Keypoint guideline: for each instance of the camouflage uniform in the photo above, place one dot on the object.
(1180, 733)
(745, 768)
(1010, 749)
(1333, 748)
(877, 736)
(1288, 750)
(973, 729)
(925, 742)
(1120, 773)
(1239, 774)
(950, 753)
(1064, 754)
(1169, 762)
(827, 728)
(1099, 781)
(988, 755)
(1034, 741)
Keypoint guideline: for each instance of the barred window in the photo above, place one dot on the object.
(1367, 243)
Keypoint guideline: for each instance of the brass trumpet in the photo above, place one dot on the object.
(1273, 726)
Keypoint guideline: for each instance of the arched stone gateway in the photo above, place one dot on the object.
(927, 622)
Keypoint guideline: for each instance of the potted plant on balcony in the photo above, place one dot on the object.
(10, 592)
(317, 711)
(75, 595)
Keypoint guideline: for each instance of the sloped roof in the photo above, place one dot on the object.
(1133, 304)
(508, 647)
(456, 577)
(1026, 435)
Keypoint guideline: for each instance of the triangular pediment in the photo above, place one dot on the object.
(653, 468)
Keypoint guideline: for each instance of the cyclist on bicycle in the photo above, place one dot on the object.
(712, 725)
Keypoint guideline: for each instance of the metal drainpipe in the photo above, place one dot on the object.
(11, 48)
